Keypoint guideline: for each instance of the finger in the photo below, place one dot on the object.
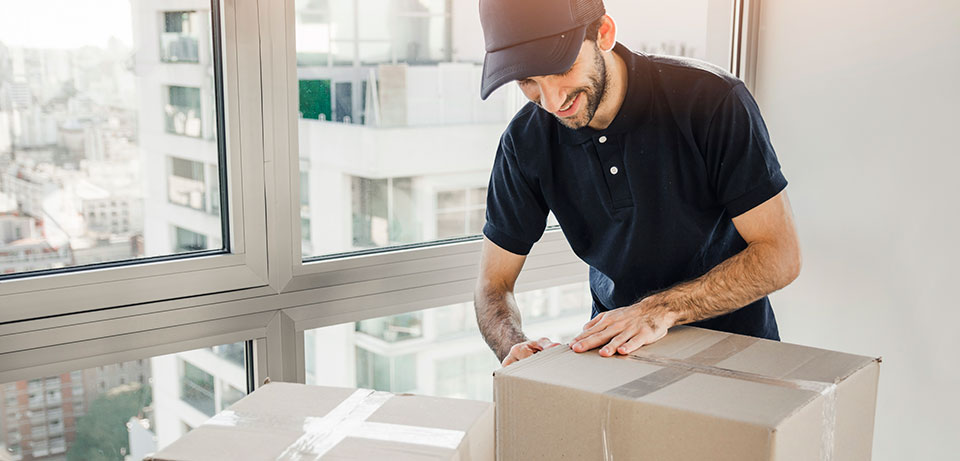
(546, 343)
(590, 326)
(611, 347)
(632, 344)
(518, 353)
(594, 340)
(598, 326)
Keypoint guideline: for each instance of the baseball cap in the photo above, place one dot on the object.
(524, 38)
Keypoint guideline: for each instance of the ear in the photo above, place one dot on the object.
(607, 36)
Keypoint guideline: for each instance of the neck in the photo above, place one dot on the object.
(615, 92)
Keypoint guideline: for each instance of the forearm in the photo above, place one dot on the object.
(498, 318)
(755, 272)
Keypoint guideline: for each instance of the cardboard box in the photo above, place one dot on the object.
(286, 421)
(694, 395)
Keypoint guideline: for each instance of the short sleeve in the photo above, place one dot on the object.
(741, 162)
(516, 211)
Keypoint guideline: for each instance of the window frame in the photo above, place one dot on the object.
(72, 290)
(52, 324)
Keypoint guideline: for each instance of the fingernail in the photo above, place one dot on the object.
(576, 347)
(605, 350)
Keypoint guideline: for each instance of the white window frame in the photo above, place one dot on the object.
(263, 291)
(243, 268)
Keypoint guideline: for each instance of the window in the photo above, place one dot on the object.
(232, 352)
(66, 429)
(394, 328)
(196, 388)
(114, 155)
(384, 31)
(414, 78)
(85, 119)
(229, 395)
(461, 212)
(389, 106)
(187, 240)
(437, 351)
(386, 373)
(466, 376)
(183, 111)
(179, 41)
(185, 185)
(58, 444)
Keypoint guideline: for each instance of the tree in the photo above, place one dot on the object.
(102, 432)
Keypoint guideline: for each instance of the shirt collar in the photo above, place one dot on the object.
(634, 102)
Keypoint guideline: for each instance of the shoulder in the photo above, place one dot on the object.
(693, 91)
(694, 76)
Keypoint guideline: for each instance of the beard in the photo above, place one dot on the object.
(593, 93)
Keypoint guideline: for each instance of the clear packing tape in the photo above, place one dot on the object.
(348, 419)
(705, 362)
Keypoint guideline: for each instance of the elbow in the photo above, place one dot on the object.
(793, 263)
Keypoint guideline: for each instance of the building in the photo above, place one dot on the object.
(190, 387)
(40, 416)
(177, 126)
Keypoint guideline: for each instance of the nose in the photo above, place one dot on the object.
(552, 97)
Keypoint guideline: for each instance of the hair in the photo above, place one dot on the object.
(593, 29)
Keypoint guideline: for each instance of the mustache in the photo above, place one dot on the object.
(566, 102)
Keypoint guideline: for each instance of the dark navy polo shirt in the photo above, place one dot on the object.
(648, 201)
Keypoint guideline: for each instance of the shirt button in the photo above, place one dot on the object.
(614, 170)
(602, 139)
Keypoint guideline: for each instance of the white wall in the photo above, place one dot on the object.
(861, 99)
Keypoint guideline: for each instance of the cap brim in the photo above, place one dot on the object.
(544, 56)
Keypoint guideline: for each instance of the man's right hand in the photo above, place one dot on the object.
(525, 349)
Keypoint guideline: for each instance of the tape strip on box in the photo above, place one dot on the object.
(348, 419)
(705, 361)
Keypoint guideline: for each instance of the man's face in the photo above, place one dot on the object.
(573, 96)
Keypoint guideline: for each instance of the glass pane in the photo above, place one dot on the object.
(392, 121)
(694, 28)
(120, 411)
(108, 132)
(436, 351)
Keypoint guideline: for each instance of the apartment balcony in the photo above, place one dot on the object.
(198, 397)
(53, 431)
(371, 152)
(179, 48)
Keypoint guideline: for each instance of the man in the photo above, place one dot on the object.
(658, 169)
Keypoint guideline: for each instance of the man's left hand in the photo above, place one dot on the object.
(625, 329)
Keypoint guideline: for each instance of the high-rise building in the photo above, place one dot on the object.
(177, 126)
(40, 416)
